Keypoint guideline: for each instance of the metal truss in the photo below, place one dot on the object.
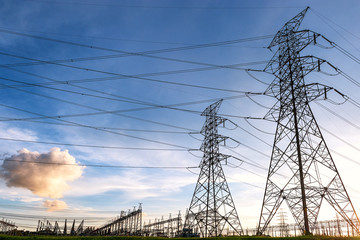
(45, 227)
(299, 149)
(128, 223)
(212, 206)
(7, 226)
(171, 227)
(336, 227)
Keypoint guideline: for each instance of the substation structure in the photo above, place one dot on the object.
(7, 226)
(127, 224)
(45, 227)
(171, 227)
(337, 227)
(299, 150)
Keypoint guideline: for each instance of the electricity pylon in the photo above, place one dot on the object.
(212, 207)
(299, 148)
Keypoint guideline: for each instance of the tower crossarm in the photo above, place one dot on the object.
(303, 66)
(316, 90)
(291, 26)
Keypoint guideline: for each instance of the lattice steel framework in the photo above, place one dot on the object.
(212, 207)
(299, 148)
(127, 224)
(171, 227)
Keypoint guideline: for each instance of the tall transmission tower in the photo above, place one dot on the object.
(299, 149)
(212, 207)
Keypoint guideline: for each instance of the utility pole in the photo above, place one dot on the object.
(299, 149)
(212, 207)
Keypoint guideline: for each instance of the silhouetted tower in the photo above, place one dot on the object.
(283, 226)
(212, 206)
(65, 227)
(72, 231)
(299, 149)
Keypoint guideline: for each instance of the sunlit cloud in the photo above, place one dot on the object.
(48, 179)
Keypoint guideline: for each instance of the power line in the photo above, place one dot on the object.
(123, 99)
(166, 82)
(248, 132)
(116, 112)
(347, 143)
(345, 157)
(166, 7)
(348, 77)
(28, 216)
(77, 93)
(108, 147)
(34, 208)
(248, 160)
(82, 59)
(119, 39)
(101, 111)
(338, 115)
(87, 126)
(255, 78)
(126, 98)
(121, 75)
(110, 128)
(244, 169)
(249, 147)
(123, 115)
(96, 165)
(91, 127)
(258, 129)
(144, 53)
(257, 103)
(234, 179)
(247, 183)
(92, 146)
(347, 53)
(113, 128)
(339, 138)
(327, 20)
(99, 79)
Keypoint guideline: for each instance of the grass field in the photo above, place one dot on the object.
(8, 237)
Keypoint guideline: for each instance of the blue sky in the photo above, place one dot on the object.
(135, 26)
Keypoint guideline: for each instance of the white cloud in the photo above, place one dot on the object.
(46, 180)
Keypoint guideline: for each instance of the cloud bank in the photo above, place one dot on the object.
(49, 179)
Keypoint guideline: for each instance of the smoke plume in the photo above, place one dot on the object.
(47, 177)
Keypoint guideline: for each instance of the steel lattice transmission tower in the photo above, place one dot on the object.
(299, 148)
(212, 207)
